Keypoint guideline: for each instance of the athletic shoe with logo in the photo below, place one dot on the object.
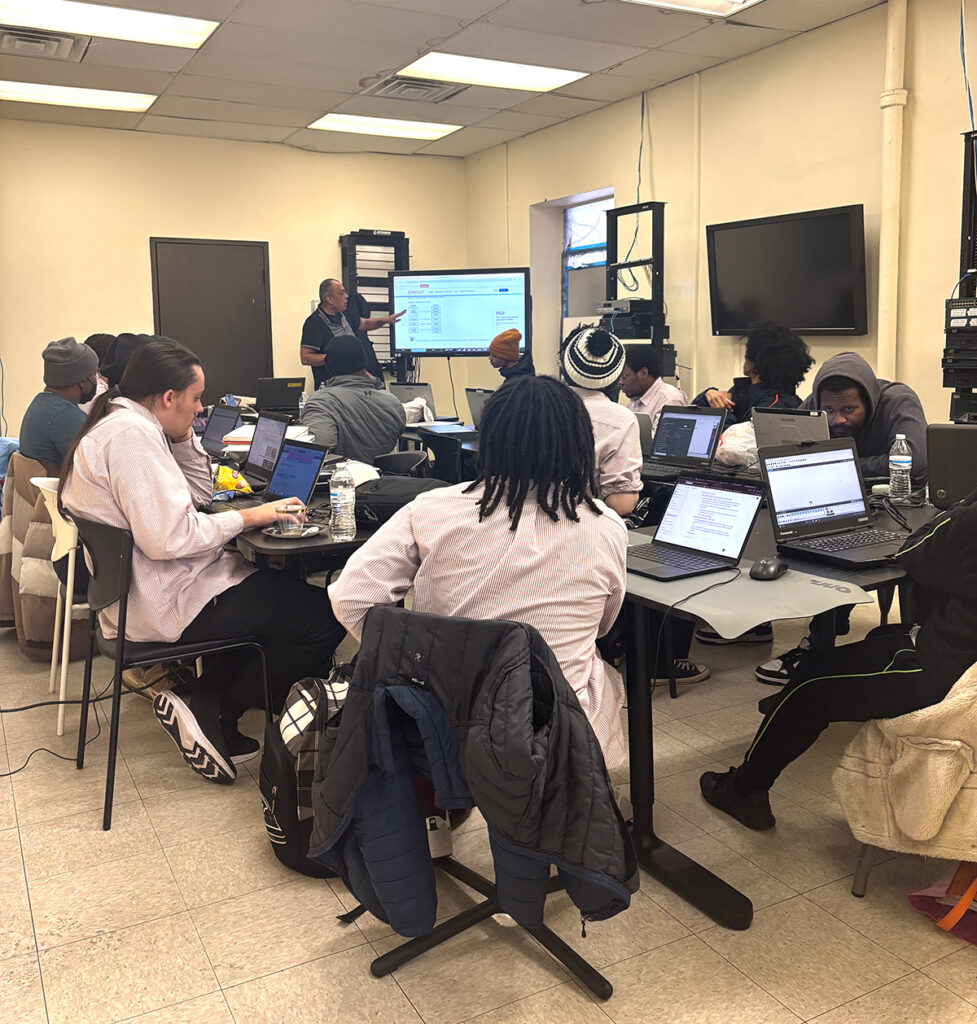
(777, 671)
(762, 634)
(749, 809)
(685, 672)
(195, 727)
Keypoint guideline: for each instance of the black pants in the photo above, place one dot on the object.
(879, 677)
(294, 622)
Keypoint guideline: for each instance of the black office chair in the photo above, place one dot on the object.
(110, 551)
(401, 463)
(447, 464)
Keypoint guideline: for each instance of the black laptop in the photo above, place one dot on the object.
(295, 475)
(704, 529)
(951, 462)
(685, 441)
(279, 394)
(266, 446)
(223, 420)
(818, 508)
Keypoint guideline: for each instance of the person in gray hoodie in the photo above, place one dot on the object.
(351, 414)
(871, 411)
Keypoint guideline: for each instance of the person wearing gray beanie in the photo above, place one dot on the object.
(53, 417)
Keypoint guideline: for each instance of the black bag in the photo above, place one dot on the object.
(378, 500)
(286, 771)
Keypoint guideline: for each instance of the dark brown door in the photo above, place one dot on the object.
(212, 296)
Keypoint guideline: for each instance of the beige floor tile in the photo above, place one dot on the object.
(11, 862)
(21, 996)
(564, 1004)
(687, 983)
(221, 867)
(208, 811)
(806, 958)
(813, 769)
(83, 902)
(761, 888)
(8, 813)
(161, 772)
(691, 700)
(958, 972)
(734, 727)
(337, 989)
(37, 726)
(673, 756)
(499, 964)
(370, 927)
(915, 998)
(209, 1009)
(803, 850)
(692, 737)
(16, 932)
(672, 828)
(77, 841)
(135, 970)
(274, 929)
(826, 807)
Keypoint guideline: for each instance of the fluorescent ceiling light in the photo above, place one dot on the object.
(63, 96)
(714, 8)
(356, 124)
(107, 22)
(499, 74)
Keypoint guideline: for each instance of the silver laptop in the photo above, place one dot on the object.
(788, 426)
(477, 397)
(704, 529)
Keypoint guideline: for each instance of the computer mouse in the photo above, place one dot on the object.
(768, 569)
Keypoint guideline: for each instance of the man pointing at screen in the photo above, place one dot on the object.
(332, 319)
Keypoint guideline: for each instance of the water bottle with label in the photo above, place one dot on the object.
(900, 470)
(342, 498)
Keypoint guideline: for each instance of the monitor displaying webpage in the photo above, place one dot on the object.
(297, 472)
(811, 487)
(686, 435)
(266, 443)
(710, 517)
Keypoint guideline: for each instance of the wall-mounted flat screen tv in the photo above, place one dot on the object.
(459, 312)
(803, 270)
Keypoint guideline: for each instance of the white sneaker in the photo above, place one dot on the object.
(438, 836)
(777, 671)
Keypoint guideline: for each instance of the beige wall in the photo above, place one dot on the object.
(78, 206)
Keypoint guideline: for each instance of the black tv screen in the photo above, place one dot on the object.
(803, 270)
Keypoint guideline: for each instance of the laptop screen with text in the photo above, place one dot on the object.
(687, 434)
(266, 443)
(713, 516)
(814, 487)
(297, 470)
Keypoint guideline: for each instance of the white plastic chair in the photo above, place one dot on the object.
(65, 543)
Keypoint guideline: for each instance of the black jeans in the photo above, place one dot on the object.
(294, 622)
(879, 677)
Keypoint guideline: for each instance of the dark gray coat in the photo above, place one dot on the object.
(352, 415)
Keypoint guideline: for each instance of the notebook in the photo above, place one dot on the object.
(704, 529)
(295, 475)
(279, 394)
(818, 507)
(222, 421)
(951, 462)
(788, 426)
(686, 439)
(266, 445)
(477, 397)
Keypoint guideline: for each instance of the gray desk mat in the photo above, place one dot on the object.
(735, 607)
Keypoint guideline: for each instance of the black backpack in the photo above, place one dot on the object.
(288, 764)
(378, 500)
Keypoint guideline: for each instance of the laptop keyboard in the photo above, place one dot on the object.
(848, 541)
(671, 556)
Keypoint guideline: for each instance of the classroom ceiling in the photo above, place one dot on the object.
(272, 67)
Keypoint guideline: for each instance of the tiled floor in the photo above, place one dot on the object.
(181, 915)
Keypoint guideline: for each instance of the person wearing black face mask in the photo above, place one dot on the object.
(53, 418)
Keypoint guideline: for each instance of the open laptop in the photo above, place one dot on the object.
(279, 394)
(686, 440)
(951, 462)
(223, 420)
(704, 529)
(295, 475)
(419, 389)
(818, 507)
(266, 446)
(788, 426)
(477, 397)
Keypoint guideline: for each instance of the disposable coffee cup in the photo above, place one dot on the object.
(290, 520)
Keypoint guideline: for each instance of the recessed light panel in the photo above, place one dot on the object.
(107, 22)
(499, 74)
(714, 8)
(64, 96)
(357, 124)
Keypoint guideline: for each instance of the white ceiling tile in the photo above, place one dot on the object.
(255, 92)
(512, 44)
(214, 129)
(120, 53)
(658, 66)
(226, 110)
(605, 88)
(561, 107)
(516, 120)
(801, 15)
(83, 76)
(211, 10)
(376, 106)
(343, 142)
(467, 10)
(247, 68)
(468, 141)
(68, 115)
(611, 21)
(724, 40)
(490, 99)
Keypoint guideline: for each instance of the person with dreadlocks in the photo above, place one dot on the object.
(527, 540)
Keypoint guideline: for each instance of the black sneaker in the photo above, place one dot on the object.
(762, 634)
(752, 810)
(240, 747)
(685, 672)
(196, 730)
(777, 671)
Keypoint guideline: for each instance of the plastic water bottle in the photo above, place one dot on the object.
(342, 498)
(900, 470)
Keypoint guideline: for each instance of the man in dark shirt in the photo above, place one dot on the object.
(333, 318)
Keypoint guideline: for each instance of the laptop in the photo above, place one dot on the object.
(951, 462)
(266, 445)
(279, 394)
(686, 440)
(295, 475)
(818, 508)
(222, 421)
(477, 397)
(408, 392)
(704, 529)
(774, 427)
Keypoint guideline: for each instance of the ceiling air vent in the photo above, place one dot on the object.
(416, 89)
(32, 42)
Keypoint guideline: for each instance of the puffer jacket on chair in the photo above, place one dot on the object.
(482, 709)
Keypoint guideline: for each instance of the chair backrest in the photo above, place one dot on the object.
(447, 457)
(401, 463)
(65, 532)
(110, 551)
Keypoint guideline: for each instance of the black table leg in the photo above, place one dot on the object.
(704, 890)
